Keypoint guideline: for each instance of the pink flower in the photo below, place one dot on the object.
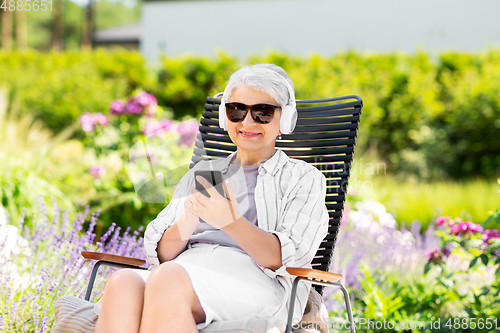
(133, 107)
(86, 119)
(490, 234)
(101, 119)
(150, 110)
(343, 220)
(89, 120)
(187, 131)
(117, 107)
(442, 220)
(145, 99)
(97, 171)
(159, 128)
(465, 228)
(351, 190)
(438, 255)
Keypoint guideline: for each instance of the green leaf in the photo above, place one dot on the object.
(497, 272)
(487, 221)
(484, 259)
(473, 262)
(485, 290)
(427, 267)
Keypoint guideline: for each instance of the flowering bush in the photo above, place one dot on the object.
(397, 274)
(38, 267)
(466, 238)
(467, 263)
(390, 247)
(371, 251)
(121, 150)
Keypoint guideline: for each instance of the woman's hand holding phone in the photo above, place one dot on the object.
(216, 210)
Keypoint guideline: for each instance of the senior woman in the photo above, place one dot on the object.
(232, 265)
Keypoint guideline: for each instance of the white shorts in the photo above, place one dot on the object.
(228, 283)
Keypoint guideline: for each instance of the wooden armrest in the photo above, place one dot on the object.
(314, 274)
(113, 258)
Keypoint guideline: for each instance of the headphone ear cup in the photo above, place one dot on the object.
(288, 119)
(293, 119)
(222, 115)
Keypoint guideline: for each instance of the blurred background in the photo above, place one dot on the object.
(427, 71)
(82, 82)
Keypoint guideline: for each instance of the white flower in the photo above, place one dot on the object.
(376, 209)
(387, 220)
(18, 282)
(13, 243)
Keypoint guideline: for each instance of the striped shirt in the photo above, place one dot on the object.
(290, 202)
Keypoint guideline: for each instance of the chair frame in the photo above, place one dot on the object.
(342, 122)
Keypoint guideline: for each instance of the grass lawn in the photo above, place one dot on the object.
(414, 200)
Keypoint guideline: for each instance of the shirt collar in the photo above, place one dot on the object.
(272, 165)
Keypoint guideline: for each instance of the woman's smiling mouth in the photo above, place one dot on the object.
(249, 134)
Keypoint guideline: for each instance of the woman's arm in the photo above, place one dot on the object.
(264, 247)
(163, 241)
(175, 238)
(303, 223)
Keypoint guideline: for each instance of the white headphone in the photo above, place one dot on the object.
(288, 112)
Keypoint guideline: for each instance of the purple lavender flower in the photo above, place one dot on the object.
(117, 107)
(30, 276)
(97, 171)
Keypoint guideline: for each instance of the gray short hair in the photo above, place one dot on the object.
(260, 77)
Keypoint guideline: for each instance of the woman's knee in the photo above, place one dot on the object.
(168, 270)
(125, 279)
(169, 283)
(170, 275)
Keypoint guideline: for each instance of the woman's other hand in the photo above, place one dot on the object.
(188, 223)
(216, 210)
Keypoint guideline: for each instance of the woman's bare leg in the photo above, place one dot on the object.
(170, 303)
(122, 303)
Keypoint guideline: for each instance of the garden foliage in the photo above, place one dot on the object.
(392, 274)
(430, 116)
(105, 169)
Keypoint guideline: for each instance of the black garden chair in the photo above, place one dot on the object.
(325, 136)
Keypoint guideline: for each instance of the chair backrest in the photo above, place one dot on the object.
(325, 136)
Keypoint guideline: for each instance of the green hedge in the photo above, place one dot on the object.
(432, 116)
(59, 87)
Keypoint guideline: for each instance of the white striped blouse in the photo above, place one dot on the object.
(290, 203)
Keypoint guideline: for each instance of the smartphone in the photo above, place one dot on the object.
(214, 178)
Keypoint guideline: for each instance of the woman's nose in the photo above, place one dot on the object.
(248, 119)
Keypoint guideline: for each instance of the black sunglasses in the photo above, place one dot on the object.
(261, 113)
